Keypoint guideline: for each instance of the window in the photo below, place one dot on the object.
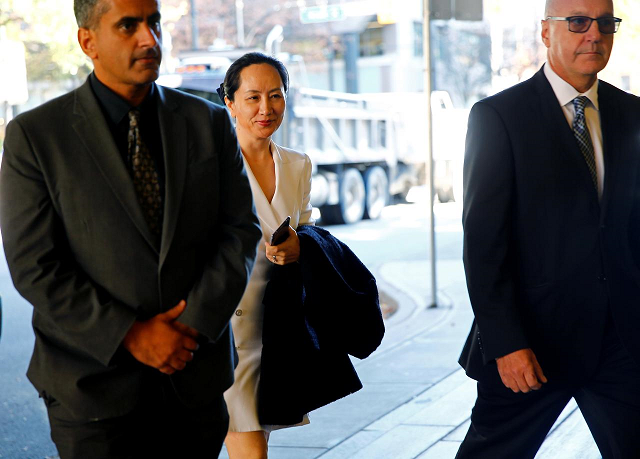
(371, 42)
(418, 40)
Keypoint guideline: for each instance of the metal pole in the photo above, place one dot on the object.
(426, 45)
(194, 25)
(352, 51)
(240, 22)
(332, 57)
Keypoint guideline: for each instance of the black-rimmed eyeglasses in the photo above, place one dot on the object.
(580, 24)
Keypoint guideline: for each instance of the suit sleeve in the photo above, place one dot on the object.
(489, 252)
(306, 208)
(216, 294)
(70, 309)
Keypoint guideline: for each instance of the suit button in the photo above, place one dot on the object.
(239, 312)
(602, 278)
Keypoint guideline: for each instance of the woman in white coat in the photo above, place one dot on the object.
(254, 91)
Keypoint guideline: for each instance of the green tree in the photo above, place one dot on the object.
(48, 30)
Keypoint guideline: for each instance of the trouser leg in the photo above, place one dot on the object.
(201, 430)
(104, 439)
(610, 401)
(509, 425)
(160, 426)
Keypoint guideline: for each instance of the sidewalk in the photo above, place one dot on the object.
(416, 400)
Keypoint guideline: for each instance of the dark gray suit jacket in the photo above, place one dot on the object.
(544, 260)
(80, 252)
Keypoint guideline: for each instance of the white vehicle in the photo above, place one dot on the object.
(360, 147)
(364, 148)
(449, 133)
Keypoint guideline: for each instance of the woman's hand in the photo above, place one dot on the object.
(285, 252)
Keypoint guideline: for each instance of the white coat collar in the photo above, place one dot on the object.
(285, 200)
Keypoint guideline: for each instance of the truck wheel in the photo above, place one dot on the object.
(377, 189)
(351, 207)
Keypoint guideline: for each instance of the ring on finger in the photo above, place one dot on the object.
(274, 258)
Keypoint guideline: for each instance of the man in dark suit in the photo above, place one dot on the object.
(128, 224)
(550, 174)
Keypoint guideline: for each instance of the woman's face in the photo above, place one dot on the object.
(259, 102)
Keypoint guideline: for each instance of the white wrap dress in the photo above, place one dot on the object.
(291, 198)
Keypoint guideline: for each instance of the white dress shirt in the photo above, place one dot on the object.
(565, 94)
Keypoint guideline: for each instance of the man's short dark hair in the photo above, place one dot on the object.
(89, 12)
(232, 78)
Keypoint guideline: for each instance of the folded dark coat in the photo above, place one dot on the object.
(316, 312)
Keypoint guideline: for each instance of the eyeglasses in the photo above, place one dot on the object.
(580, 24)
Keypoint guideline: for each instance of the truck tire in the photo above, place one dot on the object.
(377, 189)
(351, 206)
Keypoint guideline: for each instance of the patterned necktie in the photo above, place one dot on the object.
(581, 131)
(145, 176)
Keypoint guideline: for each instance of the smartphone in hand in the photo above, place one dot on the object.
(282, 233)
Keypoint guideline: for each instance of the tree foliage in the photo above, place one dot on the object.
(217, 22)
(47, 29)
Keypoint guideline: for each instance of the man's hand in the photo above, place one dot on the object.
(520, 371)
(161, 342)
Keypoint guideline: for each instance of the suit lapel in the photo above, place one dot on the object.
(266, 215)
(559, 132)
(98, 140)
(611, 148)
(286, 198)
(173, 130)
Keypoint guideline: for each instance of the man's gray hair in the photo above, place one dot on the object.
(89, 12)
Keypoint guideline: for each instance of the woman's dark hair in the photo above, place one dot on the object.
(232, 78)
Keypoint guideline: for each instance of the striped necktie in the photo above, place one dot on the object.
(581, 132)
(145, 176)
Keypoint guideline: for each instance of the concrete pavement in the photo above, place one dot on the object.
(416, 400)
